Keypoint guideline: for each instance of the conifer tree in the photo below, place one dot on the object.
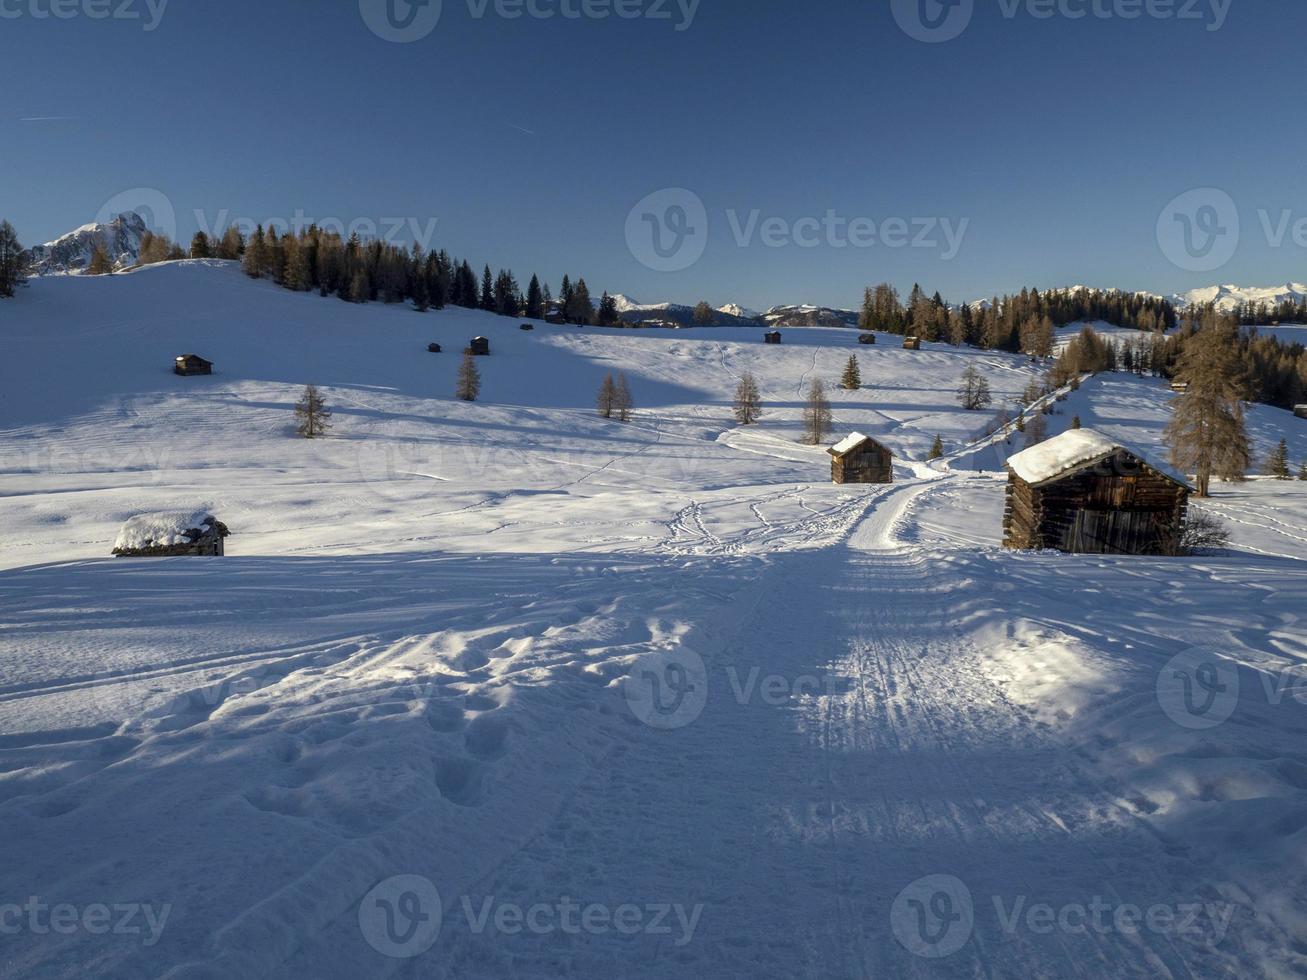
(232, 244)
(623, 403)
(487, 301)
(535, 308)
(565, 298)
(100, 264)
(253, 262)
(852, 377)
(469, 380)
(1302, 471)
(1277, 464)
(936, 448)
(11, 260)
(703, 314)
(1075, 422)
(580, 309)
(607, 399)
(1207, 434)
(608, 315)
(311, 414)
(200, 247)
(748, 400)
(816, 414)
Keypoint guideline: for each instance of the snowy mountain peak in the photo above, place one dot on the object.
(1228, 297)
(70, 254)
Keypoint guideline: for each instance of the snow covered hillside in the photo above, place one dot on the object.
(400, 729)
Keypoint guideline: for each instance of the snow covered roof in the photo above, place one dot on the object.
(1073, 449)
(162, 530)
(848, 444)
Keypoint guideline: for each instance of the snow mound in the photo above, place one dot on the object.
(163, 530)
(1074, 448)
(849, 443)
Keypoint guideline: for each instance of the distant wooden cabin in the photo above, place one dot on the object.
(190, 364)
(555, 318)
(1083, 493)
(912, 343)
(772, 337)
(1179, 387)
(861, 459)
(479, 347)
(1300, 411)
(526, 326)
(168, 535)
(866, 338)
(433, 348)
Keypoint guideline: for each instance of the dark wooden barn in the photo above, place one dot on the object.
(866, 338)
(861, 459)
(912, 343)
(1084, 493)
(189, 364)
(772, 337)
(479, 346)
(1300, 411)
(170, 535)
(433, 348)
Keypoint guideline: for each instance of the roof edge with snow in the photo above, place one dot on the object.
(1074, 450)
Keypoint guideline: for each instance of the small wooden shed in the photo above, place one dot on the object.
(772, 337)
(479, 347)
(1179, 387)
(527, 326)
(189, 364)
(433, 348)
(912, 343)
(861, 459)
(171, 534)
(866, 338)
(1084, 493)
(1300, 411)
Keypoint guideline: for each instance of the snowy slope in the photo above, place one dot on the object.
(417, 662)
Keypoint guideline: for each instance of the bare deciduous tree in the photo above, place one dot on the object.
(469, 380)
(816, 414)
(748, 400)
(312, 415)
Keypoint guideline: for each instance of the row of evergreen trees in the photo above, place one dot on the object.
(1022, 323)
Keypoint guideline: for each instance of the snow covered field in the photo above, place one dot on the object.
(398, 730)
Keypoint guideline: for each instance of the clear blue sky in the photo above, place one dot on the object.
(1059, 141)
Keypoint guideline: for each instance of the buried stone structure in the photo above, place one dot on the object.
(1084, 493)
(171, 534)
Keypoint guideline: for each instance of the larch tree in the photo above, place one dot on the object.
(200, 247)
(852, 377)
(704, 314)
(469, 380)
(1207, 434)
(101, 264)
(816, 414)
(607, 398)
(973, 393)
(313, 417)
(623, 404)
(748, 400)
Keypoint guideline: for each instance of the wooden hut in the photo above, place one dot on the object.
(1300, 411)
(556, 318)
(1084, 493)
(861, 459)
(479, 347)
(866, 338)
(171, 534)
(527, 326)
(189, 364)
(433, 348)
(772, 337)
(912, 343)
(1179, 387)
